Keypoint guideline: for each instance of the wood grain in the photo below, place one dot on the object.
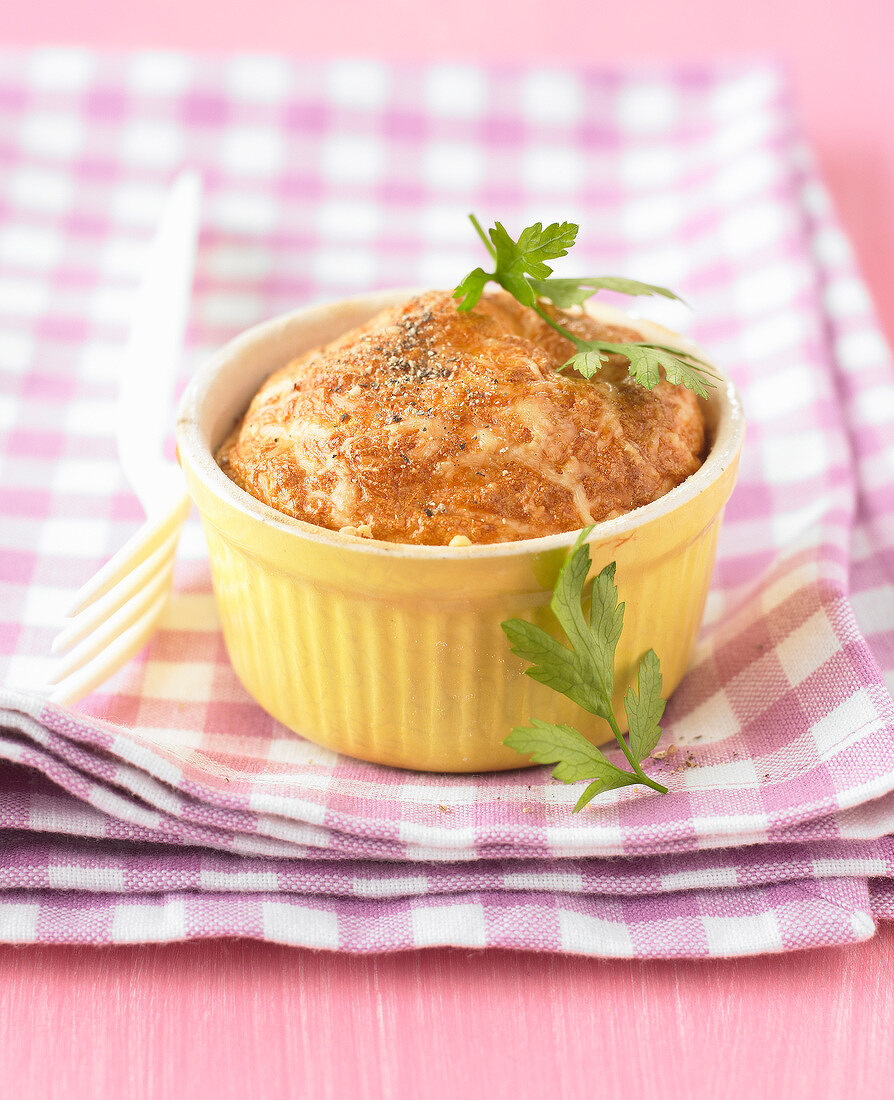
(241, 1019)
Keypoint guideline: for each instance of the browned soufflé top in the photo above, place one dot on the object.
(427, 425)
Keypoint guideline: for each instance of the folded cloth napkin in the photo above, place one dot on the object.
(170, 806)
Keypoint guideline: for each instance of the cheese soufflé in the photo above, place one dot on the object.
(435, 427)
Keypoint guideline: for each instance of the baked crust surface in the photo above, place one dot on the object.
(426, 424)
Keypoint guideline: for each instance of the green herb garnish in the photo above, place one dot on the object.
(522, 270)
(586, 674)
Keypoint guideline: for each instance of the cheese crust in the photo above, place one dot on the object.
(427, 425)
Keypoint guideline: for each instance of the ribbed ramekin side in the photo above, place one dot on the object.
(407, 683)
(663, 611)
(265, 624)
(427, 684)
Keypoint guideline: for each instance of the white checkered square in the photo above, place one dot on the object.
(390, 886)
(54, 135)
(291, 922)
(187, 681)
(453, 166)
(455, 91)
(159, 73)
(458, 925)
(106, 879)
(742, 935)
(148, 921)
(356, 83)
(40, 190)
(644, 108)
(156, 144)
(581, 934)
(795, 457)
(19, 921)
(552, 98)
(252, 151)
(259, 79)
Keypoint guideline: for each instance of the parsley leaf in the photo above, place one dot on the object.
(533, 247)
(469, 290)
(586, 674)
(575, 757)
(515, 260)
(643, 362)
(553, 664)
(574, 292)
(521, 268)
(547, 743)
(644, 711)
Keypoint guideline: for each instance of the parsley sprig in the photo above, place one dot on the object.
(520, 267)
(586, 674)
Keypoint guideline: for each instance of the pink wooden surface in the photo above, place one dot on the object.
(248, 1020)
(243, 1019)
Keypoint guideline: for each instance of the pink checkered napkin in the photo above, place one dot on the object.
(72, 889)
(329, 179)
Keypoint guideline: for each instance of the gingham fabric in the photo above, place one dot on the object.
(168, 805)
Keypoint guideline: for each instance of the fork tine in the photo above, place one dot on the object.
(113, 627)
(142, 543)
(124, 647)
(104, 607)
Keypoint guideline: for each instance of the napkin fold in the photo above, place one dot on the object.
(169, 806)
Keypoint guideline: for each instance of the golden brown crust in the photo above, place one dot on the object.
(426, 424)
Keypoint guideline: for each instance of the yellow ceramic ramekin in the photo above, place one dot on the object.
(394, 653)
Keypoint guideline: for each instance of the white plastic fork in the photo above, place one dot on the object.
(116, 612)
